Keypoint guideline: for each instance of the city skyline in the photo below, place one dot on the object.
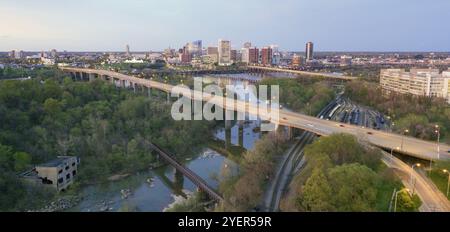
(334, 26)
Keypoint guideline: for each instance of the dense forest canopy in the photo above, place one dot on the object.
(109, 128)
(419, 115)
(307, 96)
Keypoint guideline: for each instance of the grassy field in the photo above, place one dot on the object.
(440, 179)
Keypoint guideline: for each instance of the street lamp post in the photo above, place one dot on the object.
(411, 175)
(438, 132)
(448, 181)
(404, 133)
(392, 151)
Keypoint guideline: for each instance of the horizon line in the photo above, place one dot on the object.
(320, 51)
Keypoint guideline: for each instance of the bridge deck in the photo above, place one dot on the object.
(317, 74)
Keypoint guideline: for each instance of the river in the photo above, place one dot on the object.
(154, 190)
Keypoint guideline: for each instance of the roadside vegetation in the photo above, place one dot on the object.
(342, 175)
(19, 72)
(308, 97)
(418, 115)
(440, 176)
(244, 191)
(369, 73)
(108, 128)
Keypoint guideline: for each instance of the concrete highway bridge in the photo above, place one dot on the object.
(390, 141)
(298, 72)
(193, 72)
(245, 69)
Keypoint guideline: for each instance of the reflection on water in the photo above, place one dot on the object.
(242, 134)
(152, 190)
(156, 189)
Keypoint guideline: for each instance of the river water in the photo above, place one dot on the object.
(155, 190)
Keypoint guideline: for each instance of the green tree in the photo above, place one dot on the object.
(6, 157)
(353, 187)
(52, 106)
(22, 160)
(341, 149)
(317, 193)
(406, 202)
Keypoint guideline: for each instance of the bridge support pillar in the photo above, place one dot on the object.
(227, 124)
(241, 133)
(229, 116)
(227, 137)
(178, 179)
(91, 77)
(289, 132)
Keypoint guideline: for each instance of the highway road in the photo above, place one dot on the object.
(433, 200)
(411, 146)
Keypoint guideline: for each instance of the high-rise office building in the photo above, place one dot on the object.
(212, 51)
(245, 55)
(297, 61)
(266, 56)
(224, 49)
(185, 55)
(195, 48)
(247, 45)
(127, 50)
(309, 51)
(253, 55)
(276, 55)
(233, 56)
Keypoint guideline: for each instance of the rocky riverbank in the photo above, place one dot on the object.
(60, 204)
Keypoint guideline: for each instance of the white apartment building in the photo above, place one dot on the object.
(224, 52)
(446, 76)
(420, 82)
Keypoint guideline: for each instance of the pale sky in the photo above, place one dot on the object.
(333, 25)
